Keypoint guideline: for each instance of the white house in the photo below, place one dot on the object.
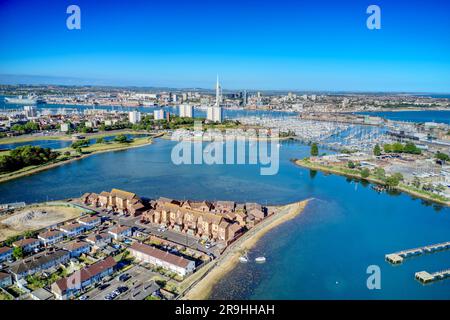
(51, 237)
(118, 233)
(164, 259)
(72, 230)
(90, 222)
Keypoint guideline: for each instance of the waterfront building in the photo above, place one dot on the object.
(160, 258)
(215, 113)
(30, 111)
(159, 114)
(5, 253)
(195, 218)
(118, 200)
(134, 117)
(51, 237)
(68, 287)
(186, 110)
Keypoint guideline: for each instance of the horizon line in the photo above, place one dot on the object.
(90, 83)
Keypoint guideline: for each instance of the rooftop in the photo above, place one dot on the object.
(161, 255)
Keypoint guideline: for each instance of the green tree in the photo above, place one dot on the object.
(365, 173)
(377, 150)
(18, 252)
(397, 147)
(416, 182)
(387, 148)
(100, 140)
(380, 173)
(25, 156)
(351, 164)
(80, 144)
(442, 156)
(314, 150)
(9, 241)
(121, 138)
(394, 180)
(411, 148)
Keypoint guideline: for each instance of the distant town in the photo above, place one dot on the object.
(101, 119)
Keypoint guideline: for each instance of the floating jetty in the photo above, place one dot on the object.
(397, 257)
(426, 277)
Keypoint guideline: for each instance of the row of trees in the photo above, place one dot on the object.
(26, 156)
(25, 128)
(83, 143)
(398, 147)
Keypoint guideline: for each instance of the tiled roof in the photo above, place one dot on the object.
(4, 249)
(25, 242)
(48, 234)
(161, 255)
(37, 261)
(87, 272)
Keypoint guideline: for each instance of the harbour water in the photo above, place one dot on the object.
(321, 254)
(57, 144)
(414, 116)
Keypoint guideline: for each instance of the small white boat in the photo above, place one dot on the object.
(243, 258)
(260, 259)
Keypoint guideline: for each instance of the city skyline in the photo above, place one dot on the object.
(293, 46)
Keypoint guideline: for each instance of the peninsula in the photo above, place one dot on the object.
(173, 249)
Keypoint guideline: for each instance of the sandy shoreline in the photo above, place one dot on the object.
(230, 258)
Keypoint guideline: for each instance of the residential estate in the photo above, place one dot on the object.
(121, 235)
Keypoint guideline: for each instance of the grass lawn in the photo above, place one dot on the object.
(4, 296)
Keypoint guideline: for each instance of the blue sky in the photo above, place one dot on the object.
(287, 45)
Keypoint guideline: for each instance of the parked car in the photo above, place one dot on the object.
(122, 289)
(124, 277)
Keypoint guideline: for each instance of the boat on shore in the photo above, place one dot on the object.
(243, 258)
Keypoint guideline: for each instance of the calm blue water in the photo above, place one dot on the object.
(414, 116)
(321, 254)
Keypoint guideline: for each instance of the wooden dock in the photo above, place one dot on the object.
(426, 277)
(397, 257)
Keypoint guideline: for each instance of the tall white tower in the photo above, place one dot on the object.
(214, 113)
(218, 93)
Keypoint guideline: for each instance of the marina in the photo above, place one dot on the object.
(426, 277)
(398, 257)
